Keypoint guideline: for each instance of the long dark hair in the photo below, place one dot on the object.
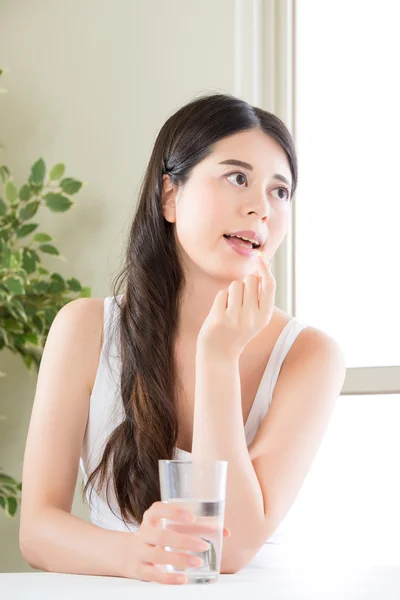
(153, 280)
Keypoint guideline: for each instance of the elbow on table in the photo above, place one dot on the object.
(27, 557)
(230, 569)
(233, 562)
(25, 554)
(26, 543)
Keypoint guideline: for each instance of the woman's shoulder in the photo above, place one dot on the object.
(88, 311)
(309, 339)
(86, 317)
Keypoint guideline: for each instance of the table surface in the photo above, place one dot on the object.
(268, 583)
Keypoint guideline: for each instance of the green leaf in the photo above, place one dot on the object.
(49, 249)
(86, 292)
(30, 309)
(4, 173)
(28, 360)
(14, 286)
(9, 490)
(56, 288)
(32, 338)
(26, 229)
(57, 202)
(6, 479)
(18, 339)
(4, 235)
(70, 186)
(5, 255)
(43, 271)
(25, 192)
(74, 284)
(57, 171)
(4, 339)
(15, 261)
(2, 502)
(13, 326)
(40, 287)
(29, 210)
(3, 208)
(12, 505)
(28, 261)
(42, 237)
(57, 284)
(11, 192)
(38, 172)
(49, 315)
(17, 310)
(35, 255)
(57, 277)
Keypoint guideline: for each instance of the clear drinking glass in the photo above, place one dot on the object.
(199, 486)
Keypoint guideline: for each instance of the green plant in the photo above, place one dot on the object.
(10, 494)
(30, 295)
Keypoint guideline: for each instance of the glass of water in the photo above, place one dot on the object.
(199, 486)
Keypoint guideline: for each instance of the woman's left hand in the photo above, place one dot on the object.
(239, 313)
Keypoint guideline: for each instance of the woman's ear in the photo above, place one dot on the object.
(169, 192)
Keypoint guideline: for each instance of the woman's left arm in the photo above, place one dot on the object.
(263, 480)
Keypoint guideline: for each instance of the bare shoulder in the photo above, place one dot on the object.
(318, 345)
(91, 309)
(84, 317)
(85, 304)
(310, 341)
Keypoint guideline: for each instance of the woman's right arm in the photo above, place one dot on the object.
(50, 537)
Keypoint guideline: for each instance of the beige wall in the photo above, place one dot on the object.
(91, 83)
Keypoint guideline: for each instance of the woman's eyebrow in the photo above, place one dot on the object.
(245, 165)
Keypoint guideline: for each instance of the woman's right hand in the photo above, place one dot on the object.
(144, 551)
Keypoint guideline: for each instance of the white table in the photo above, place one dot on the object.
(268, 583)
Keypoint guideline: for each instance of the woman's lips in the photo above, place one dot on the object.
(241, 248)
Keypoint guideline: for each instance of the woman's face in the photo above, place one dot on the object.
(224, 198)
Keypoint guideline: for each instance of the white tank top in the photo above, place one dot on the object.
(106, 413)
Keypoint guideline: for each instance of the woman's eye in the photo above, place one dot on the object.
(236, 175)
(286, 192)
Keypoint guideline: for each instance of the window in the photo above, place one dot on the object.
(334, 83)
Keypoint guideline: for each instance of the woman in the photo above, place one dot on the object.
(192, 357)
